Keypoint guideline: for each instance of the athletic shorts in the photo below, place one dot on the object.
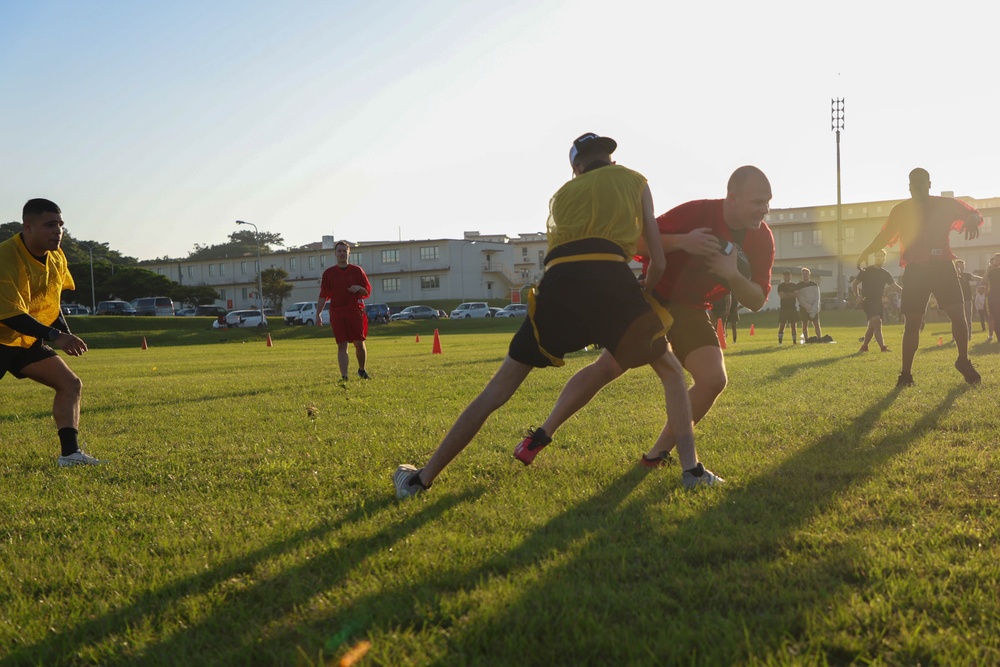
(581, 303)
(806, 316)
(874, 309)
(926, 278)
(349, 324)
(787, 315)
(692, 328)
(14, 359)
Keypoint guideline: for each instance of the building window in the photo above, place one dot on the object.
(243, 268)
(245, 293)
(796, 239)
(222, 293)
(312, 263)
(390, 284)
(781, 216)
(524, 252)
(429, 252)
(190, 272)
(293, 263)
(541, 259)
(850, 211)
(849, 234)
(159, 272)
(817, 237)
(322, 260)
(222, 269)
(430, 282)
(358, 259)
(390, 257)
(878, 209)
(211, 270)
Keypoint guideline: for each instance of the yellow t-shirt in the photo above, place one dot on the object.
(30, 287)
(604, 203)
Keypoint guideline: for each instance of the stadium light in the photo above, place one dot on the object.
(837, 125)
(260, 268)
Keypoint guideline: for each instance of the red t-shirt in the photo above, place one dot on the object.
(336, 282)
(686, 279)
(922, 229)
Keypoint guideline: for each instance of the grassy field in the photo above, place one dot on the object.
(247, 516)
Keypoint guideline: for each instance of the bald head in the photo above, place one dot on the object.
(748, 198)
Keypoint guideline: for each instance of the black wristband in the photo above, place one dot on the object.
(54, 334)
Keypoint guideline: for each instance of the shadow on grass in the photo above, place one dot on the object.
(788, 370)
(246, 612)
(715, 588)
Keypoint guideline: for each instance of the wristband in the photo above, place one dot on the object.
(54, 334)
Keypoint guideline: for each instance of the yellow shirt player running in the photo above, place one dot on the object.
(33, 275)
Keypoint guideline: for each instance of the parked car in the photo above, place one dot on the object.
(303, 312)
(185, 312)
(378, 313)
(240, 319)
(416, 313)
(471, 309)
(513, 310)
(154, 305)
(210, 311)
(73, 309)
(324, 317)
(115, 308)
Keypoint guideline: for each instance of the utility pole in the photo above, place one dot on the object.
(837, 125)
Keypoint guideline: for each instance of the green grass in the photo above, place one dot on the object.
(247, 515)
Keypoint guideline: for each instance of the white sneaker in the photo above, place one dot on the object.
(79, 458)
(406, 486)
(707, 478)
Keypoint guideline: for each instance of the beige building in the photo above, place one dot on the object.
(482, 267)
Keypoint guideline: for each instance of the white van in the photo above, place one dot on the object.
(303, 312)
(470, 310)
(154, 305)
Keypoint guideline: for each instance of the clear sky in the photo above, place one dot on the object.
(156, 125)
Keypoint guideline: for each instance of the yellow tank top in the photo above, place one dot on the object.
(604, 203)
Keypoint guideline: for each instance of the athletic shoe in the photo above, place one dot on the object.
(363, 374)
(885, 349)
(971, 375)
(343, 378)
(79, 458)
(905, 380)
(703, 478)
(407, 481)
(864, 348)
(663, 459)
(532, 444)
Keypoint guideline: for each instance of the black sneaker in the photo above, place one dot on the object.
(363, 374)
(971, 375)
(905, 380)
(532, 444)
(663, 459)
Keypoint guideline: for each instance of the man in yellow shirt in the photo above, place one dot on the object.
(33, 274)
(588, 295)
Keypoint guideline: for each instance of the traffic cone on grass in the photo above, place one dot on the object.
(144, 346)
(269, 343)
(940, 341)
(437, 343)
(751, 329)
(418, 338)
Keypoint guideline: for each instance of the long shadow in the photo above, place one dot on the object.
(784, 372)
(151, 605)
(636, 612)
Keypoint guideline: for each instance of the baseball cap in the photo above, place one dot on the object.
(591, 143)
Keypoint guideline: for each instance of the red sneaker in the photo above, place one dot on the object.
(528, 448)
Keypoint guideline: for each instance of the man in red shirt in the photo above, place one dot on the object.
(697, 274)
(346, 286)
(922, 225)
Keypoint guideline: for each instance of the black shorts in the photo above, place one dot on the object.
(788, 315)
(577, 304)
(874, 309)
(692, 328)
(14, 359)
(926, 278)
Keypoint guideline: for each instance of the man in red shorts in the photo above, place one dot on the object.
(346, 286)
(698, 273)
(922, 224)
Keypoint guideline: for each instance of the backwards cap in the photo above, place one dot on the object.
(591, 143)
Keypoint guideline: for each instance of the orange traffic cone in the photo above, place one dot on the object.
(437, 343)
(751, 329)
(940, 340)
(720, 331)
(144, 346)
(418, 338)
(269, 343)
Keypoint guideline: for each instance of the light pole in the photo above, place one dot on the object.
(93, 291)
(260, 287)
(837, 125)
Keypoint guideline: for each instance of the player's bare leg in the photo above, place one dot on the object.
(53, 372)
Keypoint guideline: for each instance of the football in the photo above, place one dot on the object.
(742, 262)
